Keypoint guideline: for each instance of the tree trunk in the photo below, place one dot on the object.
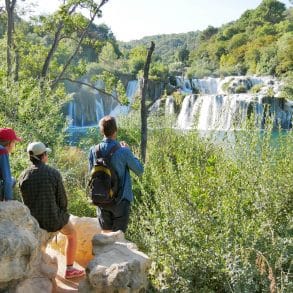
(9, 6)
(144, 111)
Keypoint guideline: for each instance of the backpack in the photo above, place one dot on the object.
(103, 183)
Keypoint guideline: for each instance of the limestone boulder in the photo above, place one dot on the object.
(22, 260)
(117, 266)
(85, 228)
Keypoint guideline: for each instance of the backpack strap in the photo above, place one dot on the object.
(98, 152)
(113, 150)
(110, 152)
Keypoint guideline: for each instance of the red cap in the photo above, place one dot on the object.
(8, 134)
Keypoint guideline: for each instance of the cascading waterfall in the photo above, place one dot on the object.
(170, 106)
(88, 106)
(218, 107)
(219, 104)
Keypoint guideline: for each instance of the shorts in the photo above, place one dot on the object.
(47, 237)
(67, 229)
(116, 217)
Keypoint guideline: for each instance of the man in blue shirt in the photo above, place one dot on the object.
(116, 217)
(8, 138)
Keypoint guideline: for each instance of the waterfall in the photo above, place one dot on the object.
(185, 117)
(132, 88)
(224, 104)
(229, 112)
(99, 110)
(170, 106)
(207, 85)
(184, 84)
(89, 106)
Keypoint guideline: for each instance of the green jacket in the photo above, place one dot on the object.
(43, 192)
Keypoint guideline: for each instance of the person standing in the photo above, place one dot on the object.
(8, 138)
(116, 217)
(43, 192)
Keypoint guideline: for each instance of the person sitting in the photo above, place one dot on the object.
(43, 192)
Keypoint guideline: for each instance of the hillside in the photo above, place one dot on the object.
(259, 42)
(167, 45)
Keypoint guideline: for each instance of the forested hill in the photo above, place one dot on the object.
(168, 46)
(259, 42)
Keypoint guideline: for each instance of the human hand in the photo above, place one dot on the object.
(124, 144)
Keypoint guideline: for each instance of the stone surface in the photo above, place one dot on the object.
(117, 266)
(24, 266)
(85, 228)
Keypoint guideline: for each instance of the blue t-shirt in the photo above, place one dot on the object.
(5, 174)
(122, 161)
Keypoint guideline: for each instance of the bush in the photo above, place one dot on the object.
(214, 220)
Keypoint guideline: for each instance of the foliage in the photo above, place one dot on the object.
(214, 220)
(259, 42)
(167, 45)
(287, 91)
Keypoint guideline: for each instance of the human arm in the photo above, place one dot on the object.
(133, 163)
(61, 198)
(90, 159)
(6, 176)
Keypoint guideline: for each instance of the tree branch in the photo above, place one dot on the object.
(97, 10)
(90, 86)
(55, 44)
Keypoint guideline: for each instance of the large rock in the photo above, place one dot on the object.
(117, 266)
(85, 228)
(24, 266)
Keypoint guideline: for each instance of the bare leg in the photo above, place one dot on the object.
(70, 248)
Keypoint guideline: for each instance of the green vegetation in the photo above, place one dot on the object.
(215, 221)
(212, 218)
(259, 42)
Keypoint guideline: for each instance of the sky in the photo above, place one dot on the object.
(134, 19)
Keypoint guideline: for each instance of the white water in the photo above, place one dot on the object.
(99, 102)
(212, 109)
(215, 109)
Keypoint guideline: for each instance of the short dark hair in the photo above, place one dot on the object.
(5, 142)
(36, 159)
(108, 125)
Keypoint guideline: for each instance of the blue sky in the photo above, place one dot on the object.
(134, 19)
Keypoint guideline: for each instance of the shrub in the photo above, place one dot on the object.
(214, 220)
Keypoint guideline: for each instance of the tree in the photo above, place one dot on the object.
(182, 54)
(208, 33)
(285, 54)
(271, 11)
(137, 59)
(108, 56)
(10, 6)
(144, 110)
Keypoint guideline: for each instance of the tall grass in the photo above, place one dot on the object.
(212, 218)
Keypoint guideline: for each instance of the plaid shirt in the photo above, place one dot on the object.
(43, 192)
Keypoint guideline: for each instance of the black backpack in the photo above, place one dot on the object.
(103, 183)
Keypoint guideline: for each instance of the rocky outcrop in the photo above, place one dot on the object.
(117, 266)
(85, 228)
(24, 266)
(27, 266)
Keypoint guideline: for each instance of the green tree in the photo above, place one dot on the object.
(136, 59)
(182, 54)
(108, 56)
(271, 11)
(285, 54)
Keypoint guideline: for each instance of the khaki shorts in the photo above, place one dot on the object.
(68, 229)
